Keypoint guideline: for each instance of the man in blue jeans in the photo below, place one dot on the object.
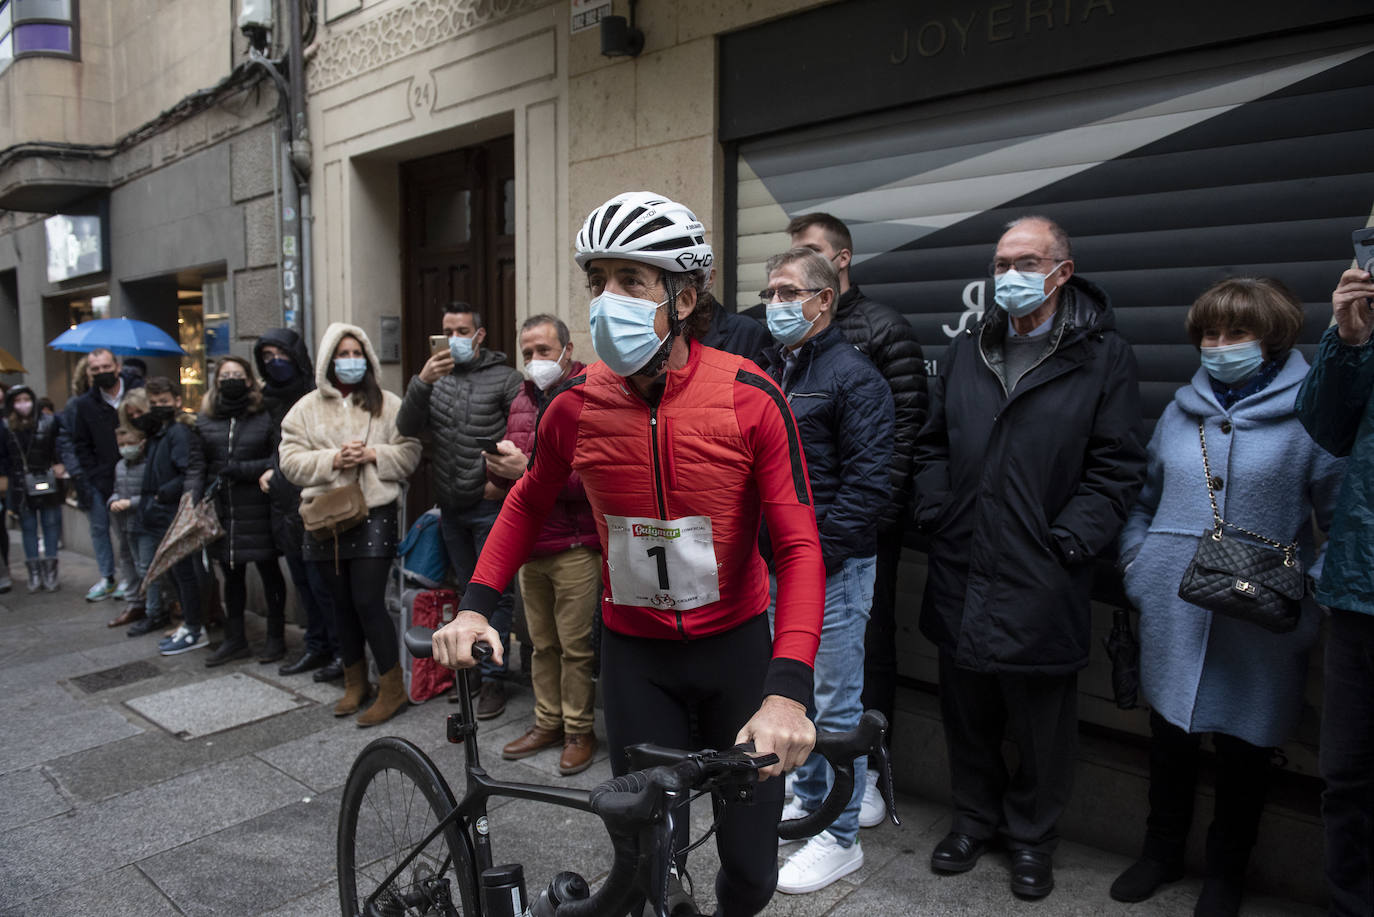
(462, 397)
(846, 418)
(1336, 405)
(93, 439)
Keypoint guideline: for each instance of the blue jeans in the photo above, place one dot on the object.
(465, 532)
(183, 572)
(314, 594)
(839, 685)
(50, 517)
(99, 518)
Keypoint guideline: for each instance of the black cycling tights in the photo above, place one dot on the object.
(359, 591)
(657, 691)
(273, 585)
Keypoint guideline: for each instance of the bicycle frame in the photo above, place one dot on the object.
(471, 810)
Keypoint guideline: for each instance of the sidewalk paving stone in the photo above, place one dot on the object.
(28, 796)
(123, 892)
(47, 723)
(206, 707)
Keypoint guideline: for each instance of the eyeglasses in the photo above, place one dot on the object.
(782, 294)
(1023, 265)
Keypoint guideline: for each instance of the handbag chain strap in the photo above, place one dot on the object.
(1289, 550)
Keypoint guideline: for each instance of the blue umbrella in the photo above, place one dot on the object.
(123, 336)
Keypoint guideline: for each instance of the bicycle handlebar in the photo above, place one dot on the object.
(631, 803)
(419, 643)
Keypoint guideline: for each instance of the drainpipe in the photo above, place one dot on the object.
(300, 161)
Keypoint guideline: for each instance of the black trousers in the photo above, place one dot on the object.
(880, 638)
(273, 585)
(1037, 712)
(1242, 785)
(360, 615)
(656, 690)
(1347, 762)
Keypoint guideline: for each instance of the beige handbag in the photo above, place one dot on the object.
(330, 514)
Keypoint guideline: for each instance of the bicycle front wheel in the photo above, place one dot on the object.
(394, 798)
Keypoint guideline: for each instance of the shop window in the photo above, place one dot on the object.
(37, 28)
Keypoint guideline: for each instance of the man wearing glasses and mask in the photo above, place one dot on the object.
(1032, 456)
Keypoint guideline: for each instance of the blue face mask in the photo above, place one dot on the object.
(462, 349)
(1233, 362)
(623, 331)
(1021, 294)
(787, 323)
(281, 370)
(350, 370)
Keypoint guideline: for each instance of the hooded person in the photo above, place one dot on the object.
(288, 373)
(33, 466)
(344, 432)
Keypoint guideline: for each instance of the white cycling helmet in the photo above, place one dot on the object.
(646, 227)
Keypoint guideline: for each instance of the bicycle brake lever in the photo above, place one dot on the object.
(884, 758)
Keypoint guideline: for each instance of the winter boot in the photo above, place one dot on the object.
(233, 646)
(274, 647)
(356, 688)
(391, 697)
(50, 583)
(35, 574)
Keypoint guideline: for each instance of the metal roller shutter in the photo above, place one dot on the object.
(1168, 174)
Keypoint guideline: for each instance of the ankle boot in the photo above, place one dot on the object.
(233, 646)
(356, 688)
(391, 697)
(273, 648)
(35, 568)
(49, 572)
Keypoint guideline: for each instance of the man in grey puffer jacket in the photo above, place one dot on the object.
(463, 395)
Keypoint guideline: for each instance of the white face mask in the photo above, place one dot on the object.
(544, 373)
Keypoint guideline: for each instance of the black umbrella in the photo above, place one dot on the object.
(1124, 651)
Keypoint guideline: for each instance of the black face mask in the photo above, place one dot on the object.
(281, 370)
(163, 413)
(145, 423)
(106, 379)
(233, 389)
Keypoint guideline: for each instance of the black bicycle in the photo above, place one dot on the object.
(406, 846)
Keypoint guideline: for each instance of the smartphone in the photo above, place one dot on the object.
(489, 446)
(1364, 248)
(438, 343)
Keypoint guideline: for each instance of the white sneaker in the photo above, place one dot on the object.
(788, 782)
(793, 809)
(872, 810)
(818, 864)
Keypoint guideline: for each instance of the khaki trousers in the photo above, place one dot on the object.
(560, 593)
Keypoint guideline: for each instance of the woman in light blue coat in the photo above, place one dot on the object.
(1207, 673)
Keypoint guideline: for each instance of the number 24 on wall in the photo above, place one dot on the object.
(420, 96)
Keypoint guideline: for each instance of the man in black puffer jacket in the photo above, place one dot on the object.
(463, 395)
(1032, 457)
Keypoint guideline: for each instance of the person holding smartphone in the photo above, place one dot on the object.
(462, 396)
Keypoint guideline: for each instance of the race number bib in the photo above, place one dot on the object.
(662, 563)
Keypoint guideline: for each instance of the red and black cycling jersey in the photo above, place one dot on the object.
(720, 442)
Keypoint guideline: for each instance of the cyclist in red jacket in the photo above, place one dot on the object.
(682, 450)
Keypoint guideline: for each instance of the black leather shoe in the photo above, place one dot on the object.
(307, 663)
(1143, 878)
(1032, 873)
(331, 672)
(957, 853)
(147, 626)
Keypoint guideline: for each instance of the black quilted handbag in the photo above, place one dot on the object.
(1259, 583)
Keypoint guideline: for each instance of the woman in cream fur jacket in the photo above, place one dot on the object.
(344, 431)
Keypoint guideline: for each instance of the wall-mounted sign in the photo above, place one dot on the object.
(75, 246)
(587, 13)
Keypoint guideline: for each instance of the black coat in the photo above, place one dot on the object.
(175, 463)
(93, 437)
(1021, 492)
(287, 529)
(845, 417)
(737, 334)
(467, 404)
(33, 449)
(237, 451)
(885, 336)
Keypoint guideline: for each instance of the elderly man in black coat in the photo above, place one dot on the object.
(1025, 470)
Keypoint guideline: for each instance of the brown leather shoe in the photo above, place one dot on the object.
(578, 750)
(129, 615)
(537, 738)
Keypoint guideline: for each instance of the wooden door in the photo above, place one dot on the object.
(459, 244)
